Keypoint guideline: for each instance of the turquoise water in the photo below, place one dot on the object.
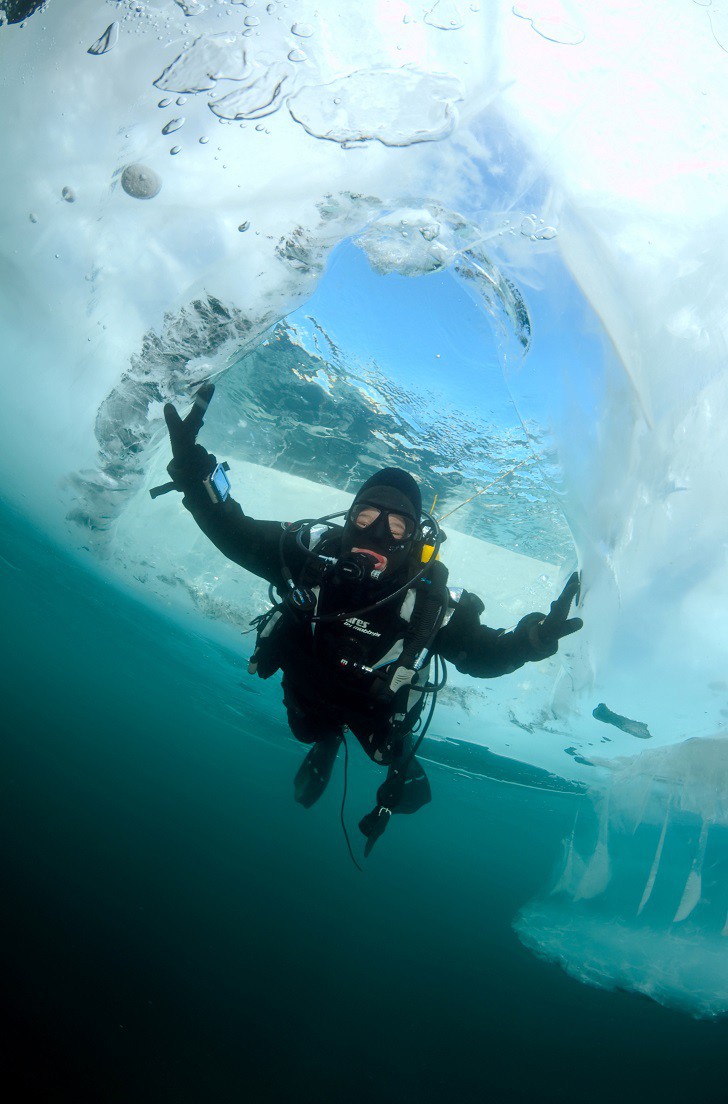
(176, 928)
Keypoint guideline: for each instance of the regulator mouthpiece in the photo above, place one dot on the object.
(357, 567)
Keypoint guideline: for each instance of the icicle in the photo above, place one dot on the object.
(694, 883)
(597, 874)
(567, 874)
(656, 861)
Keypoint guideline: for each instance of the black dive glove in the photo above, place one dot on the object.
(544, 633)
(191, 463)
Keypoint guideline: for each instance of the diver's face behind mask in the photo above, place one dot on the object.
(398, 526)
(379, 533)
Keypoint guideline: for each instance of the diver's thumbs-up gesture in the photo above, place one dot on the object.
(191, 463)
(557, 622)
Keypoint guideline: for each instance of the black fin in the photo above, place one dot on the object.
(314, 773)
(372, 826)
(405, 794)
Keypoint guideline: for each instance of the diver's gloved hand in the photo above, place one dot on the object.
(193, 469)
(544, 633)
(191, 463)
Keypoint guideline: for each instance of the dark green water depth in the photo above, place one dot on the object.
(176, 929)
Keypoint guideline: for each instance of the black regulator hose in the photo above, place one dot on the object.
(300, 527)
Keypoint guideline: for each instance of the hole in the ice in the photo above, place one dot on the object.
(389, 369)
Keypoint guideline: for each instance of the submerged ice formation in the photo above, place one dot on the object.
(550, 19)
(398, 107)
(210, 58)
(641, 899)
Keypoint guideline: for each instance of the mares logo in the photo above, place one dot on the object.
(360, 626)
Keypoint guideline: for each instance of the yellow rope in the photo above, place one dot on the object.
(478, 493)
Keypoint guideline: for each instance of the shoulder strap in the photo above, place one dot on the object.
(431, 602)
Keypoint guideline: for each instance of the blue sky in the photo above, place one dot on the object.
(426, 333)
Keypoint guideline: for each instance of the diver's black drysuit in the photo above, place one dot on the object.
(362, 611)
(324, 688)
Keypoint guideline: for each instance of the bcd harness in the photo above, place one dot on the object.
(396, 683)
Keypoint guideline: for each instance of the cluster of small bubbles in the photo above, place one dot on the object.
(244, 226)
(531, 229)
(175, 150)
(429, 233)
(173, 124)
(181, 100)
(204, 140)
(302, 30)
(296, 55)
(165, 102)
(69, 195)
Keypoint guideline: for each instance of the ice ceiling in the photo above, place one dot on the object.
(177, 175)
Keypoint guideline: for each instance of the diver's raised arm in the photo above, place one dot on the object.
(483, 652)
(196, 473)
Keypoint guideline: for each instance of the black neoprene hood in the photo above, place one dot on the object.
(393, 491)
(403, 494)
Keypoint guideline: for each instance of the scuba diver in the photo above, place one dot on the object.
(361, 613)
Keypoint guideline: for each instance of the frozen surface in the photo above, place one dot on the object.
(195, 191)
